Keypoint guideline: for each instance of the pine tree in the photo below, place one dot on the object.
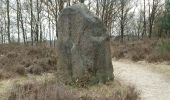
(166, 17)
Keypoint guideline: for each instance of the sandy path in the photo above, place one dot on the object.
(152, 86)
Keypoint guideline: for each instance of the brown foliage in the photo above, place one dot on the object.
(19, 60)
(34, 91)
(54, 91)
(139, 50)
(20, 69)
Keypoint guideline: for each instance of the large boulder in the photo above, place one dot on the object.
(83, 47)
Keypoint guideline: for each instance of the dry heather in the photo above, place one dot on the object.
(53, 91)
(149, 50)
(18, 60)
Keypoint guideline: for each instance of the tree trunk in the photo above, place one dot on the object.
(160, 33)
(18, 18)
(56, 17)
(144, 20)
(122, 21)
(152, 15)
(150, 29)
(5, 29)
(41, 32)
(32, 38)
(103, 10)
(22, 27)
(25, 31)
(49, 25)
(2, 37)
(37, 23)
(97, 7)
(9, 34)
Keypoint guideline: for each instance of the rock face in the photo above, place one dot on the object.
(83, 47)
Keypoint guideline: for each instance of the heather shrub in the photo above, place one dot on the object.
(55, 91)
(149, 50)
(20, 60)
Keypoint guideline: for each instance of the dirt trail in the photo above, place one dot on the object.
(152, 85)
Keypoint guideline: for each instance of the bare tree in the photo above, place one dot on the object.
(152, 14)
(123, 16)
(61, 4)
(139, 25)
(108, 11)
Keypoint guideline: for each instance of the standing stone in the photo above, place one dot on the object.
(83, 47)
